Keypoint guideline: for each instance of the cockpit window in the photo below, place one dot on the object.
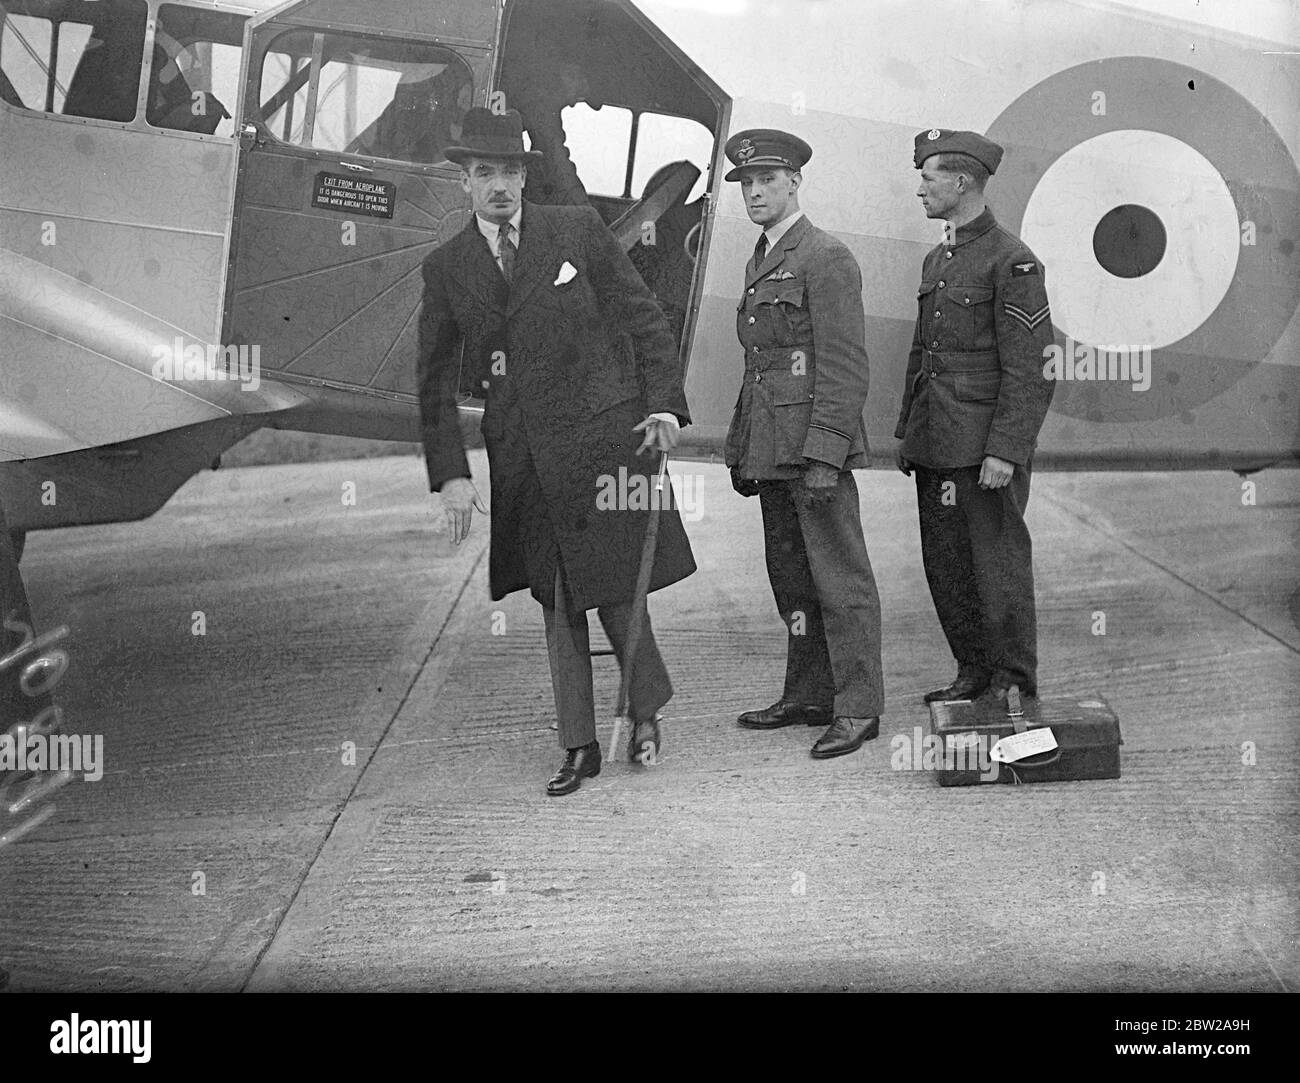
(76, 57)
(194, 82)
(388, 99)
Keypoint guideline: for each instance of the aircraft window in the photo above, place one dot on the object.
(599, 141)
(661, 139)
(74, 57)
(387, 99)
(194, 83)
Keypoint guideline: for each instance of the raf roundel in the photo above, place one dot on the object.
(1138, 211)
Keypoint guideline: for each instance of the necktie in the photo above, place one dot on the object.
(760, 249)
(507, 249)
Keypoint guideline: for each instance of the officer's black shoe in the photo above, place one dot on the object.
(579, 763)
(643, 745)
(785, 713)
(961, 688)
(844, 736)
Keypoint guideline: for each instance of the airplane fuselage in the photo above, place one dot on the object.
(207, 179)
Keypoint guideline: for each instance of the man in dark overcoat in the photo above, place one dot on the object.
(796, 436)
(583, 386)
(974, 398)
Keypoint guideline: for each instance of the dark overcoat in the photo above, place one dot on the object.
(567, 369)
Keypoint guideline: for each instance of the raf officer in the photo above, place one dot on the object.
(795, 436)
(973, 401)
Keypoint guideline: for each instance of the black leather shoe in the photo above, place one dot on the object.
(845, 735)
(961, 688)
(579, 763)
(785, 713)
(643, 745)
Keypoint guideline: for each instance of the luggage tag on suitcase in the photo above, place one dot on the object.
(1024, 742)
(1018, 746)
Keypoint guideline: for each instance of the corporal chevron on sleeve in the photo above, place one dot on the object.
(1024, 316)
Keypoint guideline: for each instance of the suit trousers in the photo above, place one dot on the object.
(979, 563)
(568, 644)
(821, 579)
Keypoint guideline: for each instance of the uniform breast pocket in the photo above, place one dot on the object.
(976, 386)
(789, 291)
(779, 307)
(974, 314)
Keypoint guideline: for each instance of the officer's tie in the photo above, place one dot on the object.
(760, 250)
(507, 249)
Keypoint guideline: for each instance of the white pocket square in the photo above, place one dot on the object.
(567, 272)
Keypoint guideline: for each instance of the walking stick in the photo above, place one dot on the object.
(646, 754)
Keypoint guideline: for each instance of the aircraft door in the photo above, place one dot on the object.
(343, 185)
(627, 123)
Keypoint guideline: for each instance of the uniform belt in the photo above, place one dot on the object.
(960, 361)
(762, 358)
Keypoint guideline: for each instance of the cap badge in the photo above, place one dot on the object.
(744, 150)
(933, 133)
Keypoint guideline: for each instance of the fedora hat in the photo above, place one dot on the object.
(491, 135)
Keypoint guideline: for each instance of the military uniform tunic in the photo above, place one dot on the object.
(801, 326)
(975, 383)
(975, 386)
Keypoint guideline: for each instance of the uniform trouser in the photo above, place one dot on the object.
(821, 578)
(978, 561)
(568, 644)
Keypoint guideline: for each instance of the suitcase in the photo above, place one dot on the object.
(973, 738)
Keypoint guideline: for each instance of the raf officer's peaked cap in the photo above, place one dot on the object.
(757, 147)
(947, 141)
